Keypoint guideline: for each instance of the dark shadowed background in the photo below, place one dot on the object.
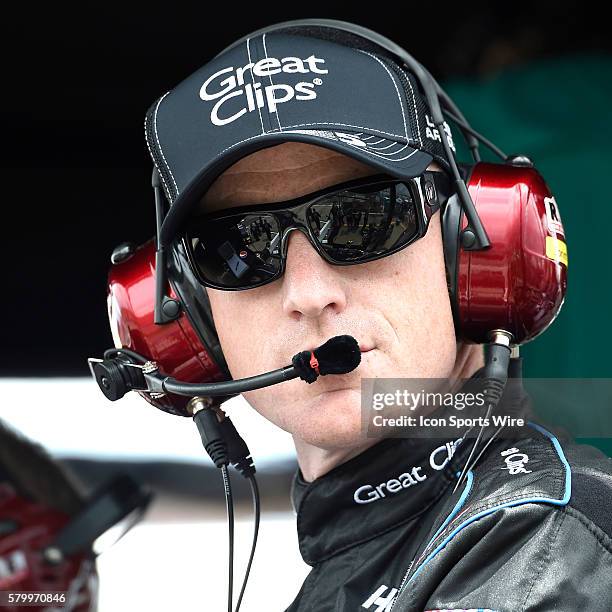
(537, 79)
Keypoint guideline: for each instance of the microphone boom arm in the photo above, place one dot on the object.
(157, 384)
(117, 375)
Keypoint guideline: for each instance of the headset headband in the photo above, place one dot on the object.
(433, 93)
(167, 309)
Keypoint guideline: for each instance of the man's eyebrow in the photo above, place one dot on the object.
(237, 209)
(246, 207)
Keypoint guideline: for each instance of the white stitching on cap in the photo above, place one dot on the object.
(153, 156)
(399, 99)
(381, 148)
(248, 40)
(263, 38)
(237, 143)
(159, 144)
(359, 127)
(386, 154)
(416, 116)
(399, 159)
(286, 128)
(387, 147)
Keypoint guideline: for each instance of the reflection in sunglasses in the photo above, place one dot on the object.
(362, 223)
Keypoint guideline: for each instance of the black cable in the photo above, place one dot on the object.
(230, 387)
(484, 448)
(108, 354)
(467, 464)
(514, 373)
(447, 104)
(495, 376)
(257, 510)
(485, 141)
(207, 422)
(229, 501)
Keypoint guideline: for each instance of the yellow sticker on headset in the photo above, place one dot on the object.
(556, 250)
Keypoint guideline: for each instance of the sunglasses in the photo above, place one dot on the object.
(352, 223)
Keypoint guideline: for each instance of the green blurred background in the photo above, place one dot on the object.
(558, 112)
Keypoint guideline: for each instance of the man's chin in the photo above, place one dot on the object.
(331, 420)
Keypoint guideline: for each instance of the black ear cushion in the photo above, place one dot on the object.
(451, 223)
(196, 304)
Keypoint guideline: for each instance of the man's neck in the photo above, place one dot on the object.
(314, 461)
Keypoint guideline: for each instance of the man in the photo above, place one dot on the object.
(291, 116)
(376, 302)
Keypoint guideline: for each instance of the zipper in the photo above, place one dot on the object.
(407, 574)
(403, 583)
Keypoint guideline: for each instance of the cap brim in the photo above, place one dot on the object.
(389, 156)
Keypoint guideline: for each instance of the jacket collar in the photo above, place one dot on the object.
(389, 484)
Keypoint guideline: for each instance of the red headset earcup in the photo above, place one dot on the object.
(186, 348)
(518, 284)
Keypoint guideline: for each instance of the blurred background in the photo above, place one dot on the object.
(535, 78)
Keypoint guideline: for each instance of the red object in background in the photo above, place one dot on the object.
(26, 528)
(519, 283)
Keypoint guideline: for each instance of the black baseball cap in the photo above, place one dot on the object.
(291, 85)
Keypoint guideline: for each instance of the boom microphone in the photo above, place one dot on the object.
(116, 376)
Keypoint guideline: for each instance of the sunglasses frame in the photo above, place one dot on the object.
(425, 190)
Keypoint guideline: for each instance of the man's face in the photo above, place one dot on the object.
(396, 307)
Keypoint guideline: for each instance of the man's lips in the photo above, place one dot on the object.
(343, 379)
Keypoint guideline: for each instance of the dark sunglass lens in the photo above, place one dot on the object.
(238, 251)
(364, 222)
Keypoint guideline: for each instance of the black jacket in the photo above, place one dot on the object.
(384, 531)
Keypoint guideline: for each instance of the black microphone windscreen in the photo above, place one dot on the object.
(339, 355)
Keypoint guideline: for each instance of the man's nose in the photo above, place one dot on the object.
(310, 284)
